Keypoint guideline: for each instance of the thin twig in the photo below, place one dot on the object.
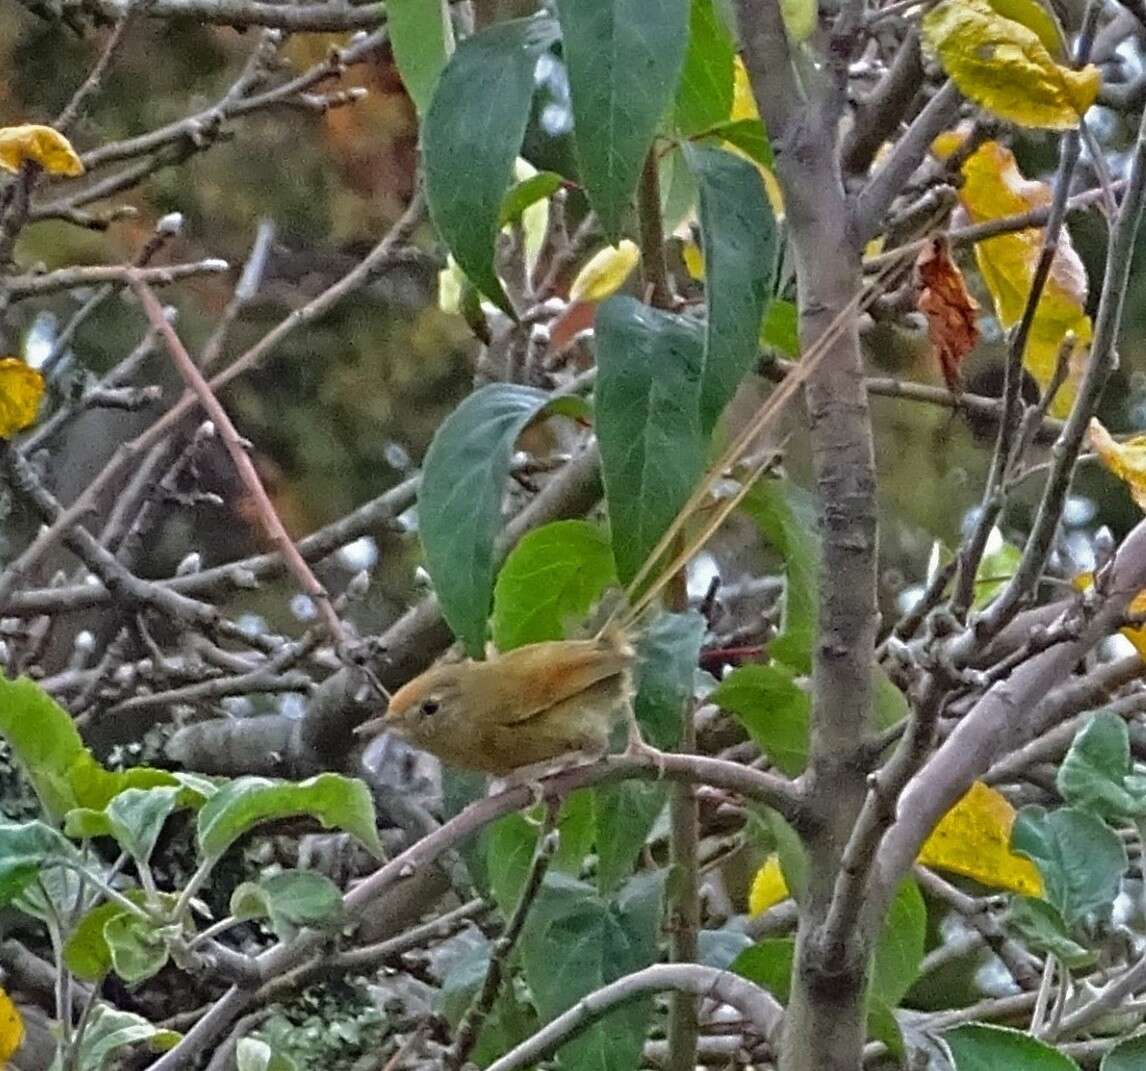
(469, 1029)
(271, 521)
(993, 494)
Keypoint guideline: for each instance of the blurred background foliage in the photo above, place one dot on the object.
(341, 408)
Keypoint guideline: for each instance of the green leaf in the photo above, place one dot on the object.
(899, 951)
(510, 1020)
(623, 815)
(995, 569)
(110, 1030)
(136, 816)
(774, 709)
(1128, 1055)
(1041, 926)
(781, 328)
(459, 502)
(740, 248)
(648, 422)
(883, 1026)
(471, 136)
(1093, 774)
(292, 900)
(510, 845)
(595, 941)
(63, 773)
(667, 655)
(55, 885)
(137, 948)
(624, 59)
(787, 517)
(549, 581)
(86, 950)
(527, 192)
(44, 740)
(748, 135)
(26, 848)
(575, 833)
(337, 802)
(1080, 858)
(768, 963)
(422, 38)
(983, 1047)
(704, 97)
(254, 1054)
(94, 787)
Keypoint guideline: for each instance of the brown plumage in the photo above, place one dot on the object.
(526, 707)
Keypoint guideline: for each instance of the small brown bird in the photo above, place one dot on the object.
(525, 708)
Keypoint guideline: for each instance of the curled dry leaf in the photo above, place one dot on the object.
(1005, 66)
(952, 314)
(41, 144)
(21, 389)
(974, 839)
(993, 187)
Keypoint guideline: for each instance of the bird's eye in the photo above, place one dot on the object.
(429, 707)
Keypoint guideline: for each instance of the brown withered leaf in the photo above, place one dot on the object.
(951, 312)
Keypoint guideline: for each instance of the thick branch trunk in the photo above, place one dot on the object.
(826, 1015)
(824, 1028)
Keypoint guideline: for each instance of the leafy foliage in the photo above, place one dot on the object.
(624, 59)
(472, 134)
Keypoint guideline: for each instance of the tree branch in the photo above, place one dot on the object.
(757, 1005)
(878, 114)
(1000, 722)
(887, 183)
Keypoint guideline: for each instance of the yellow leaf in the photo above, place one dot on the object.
(744, 107)
(21, 389)
(1126, 460)
(1137, 636)
(535, 219)
(693, 258)
(743, 102)
(605, 272)
(450, 283)
(994, 187)
(768, 887)
(47, 147)
(800, 17)
(973, 839)
(1035, 17)
(11, 1027)
(1005, 67)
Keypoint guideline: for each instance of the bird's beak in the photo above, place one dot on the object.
(372, 727)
